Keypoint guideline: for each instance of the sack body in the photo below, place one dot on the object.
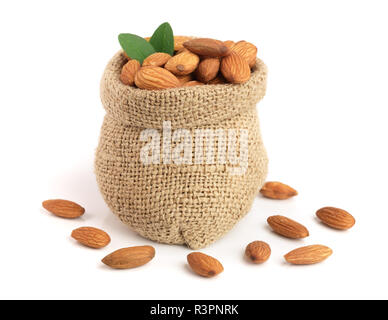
(182, 165)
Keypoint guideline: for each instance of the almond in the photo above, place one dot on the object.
(287, 227)
(157, 59)
(229, 43)
(182, 50)
(235, 69)
(336, 218)
(258, 251)
(308, 255)
(183, 63)
(218, 80)
(246, 50)
(63, 208)
(128, 72)
(204, 265)
(131, 257)
(91, 237)
(155, 78)
(186, 78)
(193, 83)
(179, 40)
(207, 47)
(207, 69)
(277, 190)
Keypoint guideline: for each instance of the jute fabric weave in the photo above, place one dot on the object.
(193, 204)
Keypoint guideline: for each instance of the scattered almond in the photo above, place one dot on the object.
(157, 59)
(287, 227)
(246, 50)
(204, 265)
(155, 78)
(183, 63)
(235, 69)
(308, 255)
(91, 237)
(207, 69)
(131, 257)
(336, 218)
(258, 251)
(277, 190)
(207, 47)
(63, 208)
(193, 83)
(128, 72)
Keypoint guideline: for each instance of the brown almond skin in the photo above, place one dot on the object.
(128, 72)
(204, 265)
(235, 69)
(63, 208)
(91, 237)
(183, 63)
(229, 43)
(308, 255)
(185, 79)
(182, 50)
(287, 227)
(258, 251)
(127, 258)
(336, 218)
(207, 69)
(277, 190)
(155, 78)
(192, 84)
(207, 47)
(246, 50)
(179, 40)
(218, 80)
(157, 59)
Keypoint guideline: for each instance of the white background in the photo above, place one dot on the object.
(324, 124)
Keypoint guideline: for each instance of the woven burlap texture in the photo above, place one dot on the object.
(192, 204)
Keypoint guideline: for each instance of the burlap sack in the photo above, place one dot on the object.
(193, 204)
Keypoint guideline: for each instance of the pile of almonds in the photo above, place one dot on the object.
(195, 62)
(257, 251)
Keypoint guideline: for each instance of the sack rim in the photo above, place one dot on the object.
(183, 106)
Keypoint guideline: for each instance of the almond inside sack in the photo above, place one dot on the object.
(172, 195)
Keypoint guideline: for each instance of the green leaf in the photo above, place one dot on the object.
(135, 47)
(163, 39)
